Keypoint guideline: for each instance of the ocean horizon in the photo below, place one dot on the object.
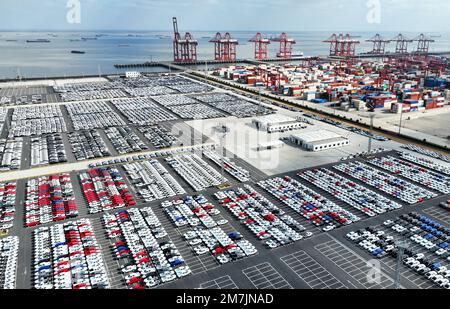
(34, 60)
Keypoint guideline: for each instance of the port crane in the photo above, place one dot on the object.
(379, 44)
(261, 46)
(423, 43)
(184, 49)
(402, 44)
(286, 44)
(224, 47)
(342, 45)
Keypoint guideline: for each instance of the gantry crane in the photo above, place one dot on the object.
(423, 43)
(342, 45)
(286, 44)
(224, 47)
(379, 44)
(402, 44)
(184, 49)
(261, 46)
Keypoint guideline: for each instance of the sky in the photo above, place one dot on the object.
(230, 15)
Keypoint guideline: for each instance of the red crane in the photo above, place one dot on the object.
(286, 44)
(342, 45)
(261, 46)
(184, 49)
(224, 47)
(379, 44)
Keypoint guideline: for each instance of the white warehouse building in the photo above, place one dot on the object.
(319, 140)
(277, 123)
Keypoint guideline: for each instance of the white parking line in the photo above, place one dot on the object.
(357, 268)
(224, 282)
(264, 276)
(310, 271)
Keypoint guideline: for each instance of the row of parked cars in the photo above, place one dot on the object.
(11, 154)
(445, 205)
(428, 233)
(154, 155)
(92, 95)
(363, 154)
(88, 144)
(427, 152)
(242, 108)
(7, 205)
(229, 166)
(125, 140)
(37, 120)
(150, 91)
(356, 196)
(48, 199)
(195, 111)
(192, 211)
(265, 220)
(428, 257)
(21, 99)
(152, 181)
(67, 256)
(170, 100)
(392, 185)
(315, 208)
(140, 244)
(204, 233)
(143, 111)
(159, 136)
(47, 149)
(86, 86)
(37, 127)
(9, 252)
(199, 174)
(189, 86)
(36, 112)
(425, 162)
(93, 115)
(105, 189)
(418, 174)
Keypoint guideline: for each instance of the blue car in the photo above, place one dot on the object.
(177, 262)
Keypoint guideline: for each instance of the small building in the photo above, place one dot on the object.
(132, 74)
(277, 123)
(319, 140)
(270, 145)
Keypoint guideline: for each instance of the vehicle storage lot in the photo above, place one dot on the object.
(198, 253)
(334, 261)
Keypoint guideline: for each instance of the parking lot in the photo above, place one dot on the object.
(314, 274)
(264, 276)
(165, 220)
(224, 282)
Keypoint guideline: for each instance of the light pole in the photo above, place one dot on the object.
(223, 130)
(401, 119)
(371, 133)
(401, 246)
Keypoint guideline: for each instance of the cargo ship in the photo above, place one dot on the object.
(38, 41)
(78, 52)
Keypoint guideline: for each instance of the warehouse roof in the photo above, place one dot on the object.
(274, 119)
(319, 136)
